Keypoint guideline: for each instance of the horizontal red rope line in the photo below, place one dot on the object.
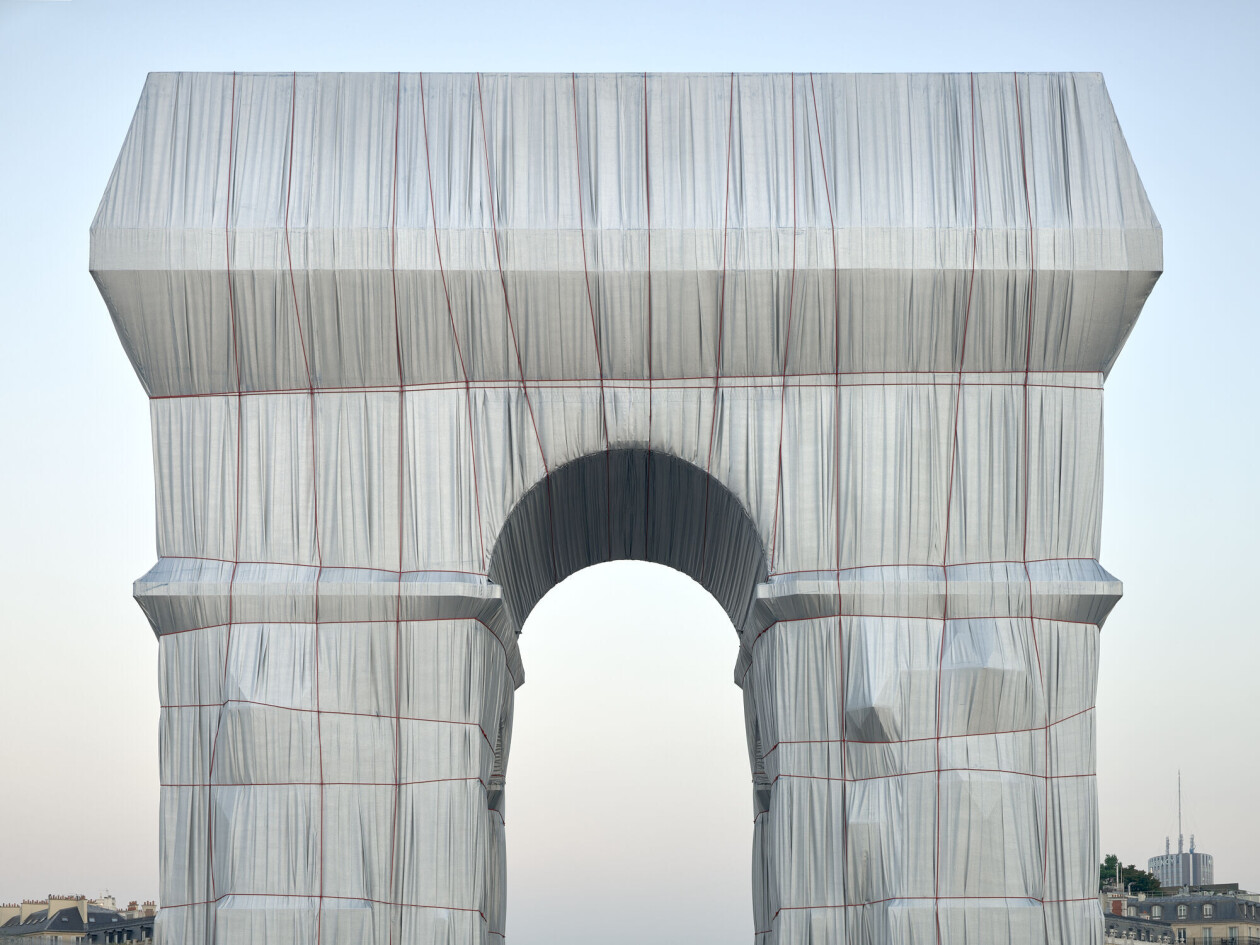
(376, 902)
(404, 620)
(1074, 623)
(727, 381)
(934, 565)
(749, 646)
(323, 567)
(354, 567)
(322, 711)
(877, 902)
(928, 771)
(334, 622)
(417, 905)
(253, 784)
(925, 738)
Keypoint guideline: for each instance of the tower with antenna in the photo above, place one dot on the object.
(1181, 869)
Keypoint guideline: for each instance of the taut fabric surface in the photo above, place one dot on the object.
(419, 346)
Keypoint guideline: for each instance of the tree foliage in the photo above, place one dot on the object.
(1142, 880)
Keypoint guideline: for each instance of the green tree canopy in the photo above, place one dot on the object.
(1142, 880)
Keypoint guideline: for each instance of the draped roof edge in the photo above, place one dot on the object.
(254, 172)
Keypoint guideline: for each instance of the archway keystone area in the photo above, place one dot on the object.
(418, 346)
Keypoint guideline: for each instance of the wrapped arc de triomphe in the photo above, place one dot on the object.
(418, 347)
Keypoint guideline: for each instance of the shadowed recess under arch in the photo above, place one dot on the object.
(629, 505)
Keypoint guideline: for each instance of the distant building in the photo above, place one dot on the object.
(1220, 915)
(73, 919)
(1123, 928)
(1181, 868)
(135, 929)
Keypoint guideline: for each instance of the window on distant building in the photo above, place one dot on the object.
(1208, 910)
(1182, 911)
(1207, 937)
(1131, 911)
(1181, 936)
(1157, 912)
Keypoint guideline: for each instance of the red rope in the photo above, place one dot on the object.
(937, 772)
(321, 711)
(835, 269)
(450, 312)
(254, 784)
(628, 383)
(377, 902)
(877, 902)
(778, 623)
(590, 302)
(236, 551)
(781, 574)
(393, 276)
(926, 738)
(507, 307)
(949, 493)
(1032, 614)
(717, 369)
(319, 556)
(502, 645)
(787, 343)
(647, 202)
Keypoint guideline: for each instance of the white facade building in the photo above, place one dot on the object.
(1182, 869)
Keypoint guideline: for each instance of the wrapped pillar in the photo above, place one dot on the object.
(336, 779)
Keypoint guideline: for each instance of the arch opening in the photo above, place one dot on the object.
(629, 779)
(629, 504)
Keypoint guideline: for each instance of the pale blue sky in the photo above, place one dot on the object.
(78, 747)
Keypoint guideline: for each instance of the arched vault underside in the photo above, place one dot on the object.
(419, 346)
(629, 504)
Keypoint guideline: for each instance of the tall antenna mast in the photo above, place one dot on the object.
(1180, 836)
